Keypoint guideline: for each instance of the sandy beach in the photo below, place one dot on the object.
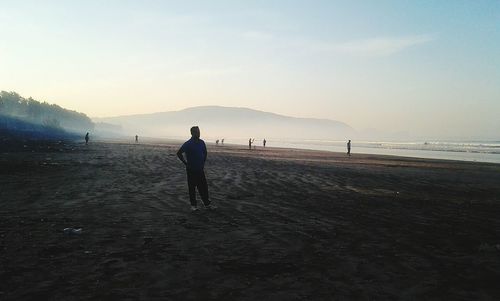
(291, 225)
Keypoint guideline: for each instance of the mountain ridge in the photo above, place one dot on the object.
(218, 107)
(229, 121)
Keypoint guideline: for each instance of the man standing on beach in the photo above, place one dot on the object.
(349, 148)
(87, 138)
(196, 154)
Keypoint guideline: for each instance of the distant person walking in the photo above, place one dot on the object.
(349, 148)
(264, 142)
(222, 141)
(250, 143)
(136, 139)
(196, 155)
(217, 142)
(87, 138)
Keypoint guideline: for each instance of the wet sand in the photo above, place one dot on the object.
(291, 225)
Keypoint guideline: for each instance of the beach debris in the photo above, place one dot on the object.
(72, 231)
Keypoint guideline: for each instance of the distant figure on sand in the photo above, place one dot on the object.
(87, 138)
(217, 142)
(264, 142)
(196, 153)
(136, 138)
(349, 148)
(222, 141)
(250, 143)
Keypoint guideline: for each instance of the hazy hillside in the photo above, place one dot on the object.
(28, 110)
(14, 129)
(216, 121)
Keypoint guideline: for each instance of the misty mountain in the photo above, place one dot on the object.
(217, 121)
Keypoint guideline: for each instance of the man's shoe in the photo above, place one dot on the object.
(210, 207)
(194, 208)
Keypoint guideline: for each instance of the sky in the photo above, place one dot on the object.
(419, 69)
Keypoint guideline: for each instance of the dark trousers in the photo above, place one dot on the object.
(196, 179)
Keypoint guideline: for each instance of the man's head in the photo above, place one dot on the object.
(195, 132)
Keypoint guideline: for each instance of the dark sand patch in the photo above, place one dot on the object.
(291, 225)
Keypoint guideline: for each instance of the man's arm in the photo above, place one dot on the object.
(181, 156)
(204, 153)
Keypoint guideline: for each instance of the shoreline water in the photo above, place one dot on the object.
(397, 150)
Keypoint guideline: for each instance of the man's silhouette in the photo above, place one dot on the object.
(349, 148)
(196, 155)
(250, 143)
(136, 138)
(264, 142)
(87, 138)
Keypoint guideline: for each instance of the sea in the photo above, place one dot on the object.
(474, 151)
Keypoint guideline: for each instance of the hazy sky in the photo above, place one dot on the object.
(427, 68)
